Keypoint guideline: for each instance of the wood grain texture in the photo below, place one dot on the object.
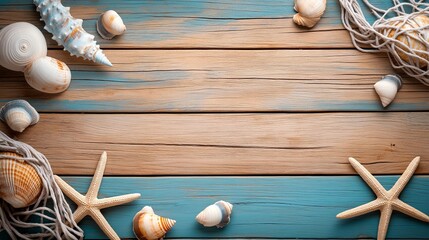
(219, 81)
(279, 207)
(232, 144)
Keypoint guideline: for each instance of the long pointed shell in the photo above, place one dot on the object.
(309, 12)
(149, 226)
(387, 88)
(110, 24)
(20, 184)
(48, 75)
(218, 214)
(18, 115)
(68, 31)
(20, 44)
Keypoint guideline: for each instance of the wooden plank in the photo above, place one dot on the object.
(199, 24)
(219, 81)
(264, 207)
(231, 144)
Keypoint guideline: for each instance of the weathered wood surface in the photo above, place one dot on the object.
(199, 23)
(232, 144)
(219, 81)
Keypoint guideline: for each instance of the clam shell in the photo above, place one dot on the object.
(149, 226)
(218, 214)
(48, 75)
(20, 44)
(309, 12)
(18, 115)
(20, 184)
(387, 88)
(110, 24)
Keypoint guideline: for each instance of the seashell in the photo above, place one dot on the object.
(309, 12)
(20, 184)
(20, 44)
(48, 75)
(387, 88)
(149, 226)
(218, 214)
(110, 24)
(19, 114)
(68, 31)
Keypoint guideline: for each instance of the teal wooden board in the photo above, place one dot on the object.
(264, 207)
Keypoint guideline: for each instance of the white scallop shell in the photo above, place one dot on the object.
(48, 75)
(217, 214)
(309, 12)
(20, 44)
(149, 226)
(110, 24)
(18, 115)
(387, 88)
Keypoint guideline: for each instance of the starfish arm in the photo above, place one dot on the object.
(103, 224)
(115, 201)
(372, 182)
(79, 214)
(409, 210)
(68, 190)
(383, 225)
(98, 176)
(405, 177)
(362, 209)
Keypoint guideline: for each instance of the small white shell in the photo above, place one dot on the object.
(218, 214)
(110, 24)
(309, 12)
(18, 115)
(48, 75)
(149, 226)
(387, 88)
(20, 44)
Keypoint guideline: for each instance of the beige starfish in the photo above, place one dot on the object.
(90, 204)
(386, 201)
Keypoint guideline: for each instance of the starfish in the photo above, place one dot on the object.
(90, 204)
(386, 201)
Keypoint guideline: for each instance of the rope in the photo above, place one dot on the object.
(55, 222)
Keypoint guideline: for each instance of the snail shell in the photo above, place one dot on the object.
(309, 12)
(387, 88)
(20, 184)
(110, 24)
(48, 75)
(20, 44)
(19, 114)
(149, 226)
(218, 214)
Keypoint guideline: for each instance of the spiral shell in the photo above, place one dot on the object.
(18, 115)
(110, 24)
(48, 75)
(149, 226)
(68, 31)
(20, 44)
(218, 214)
(387, 88)
(309, 12)
(20, 184)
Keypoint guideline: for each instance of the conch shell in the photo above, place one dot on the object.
(309, 12)
(149, 226)
(387, 88)
(110, 24)
(217, 214)
(19, 114)
(68, 31)
(20, 184)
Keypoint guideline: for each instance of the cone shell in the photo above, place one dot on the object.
(149, 226)
(20, 44)
(18, 115)
(110, 24)
(48, 75)
(20, 184)
(387, 88)
(218, 214)
(309, 12)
